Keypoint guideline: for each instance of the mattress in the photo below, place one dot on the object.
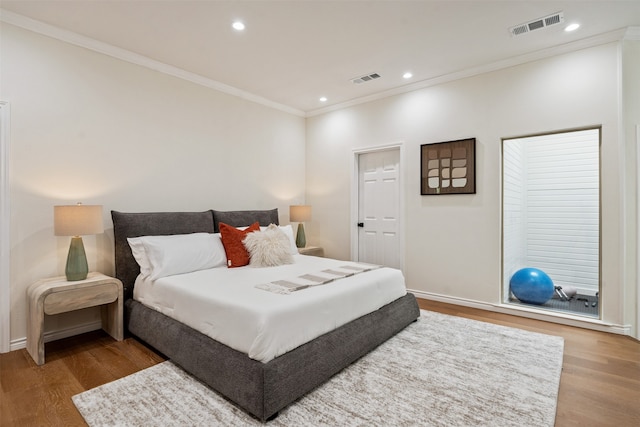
(224, 303)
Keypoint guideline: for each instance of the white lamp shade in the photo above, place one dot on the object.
(77, 220)
(299, 213)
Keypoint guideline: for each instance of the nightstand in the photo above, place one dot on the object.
(311, 250)
(57, 295)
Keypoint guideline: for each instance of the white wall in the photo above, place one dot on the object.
(453, 241)
(88, 127)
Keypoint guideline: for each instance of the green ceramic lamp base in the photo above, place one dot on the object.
(77, 267)
(301, 240)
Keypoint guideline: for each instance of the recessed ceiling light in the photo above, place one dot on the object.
(323, 99)
(407, 75)
(572, 27)
(238, 26)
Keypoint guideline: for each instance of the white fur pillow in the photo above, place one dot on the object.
(288, 230)
(268, 248)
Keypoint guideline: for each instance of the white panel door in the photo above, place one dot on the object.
(379, 207)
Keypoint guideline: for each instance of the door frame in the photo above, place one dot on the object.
(5, 230)
(637, 336)
(355, 194)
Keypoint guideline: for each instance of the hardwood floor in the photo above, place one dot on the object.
(33, 395)
(600, 383)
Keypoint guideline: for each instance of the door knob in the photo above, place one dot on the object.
(361, 224)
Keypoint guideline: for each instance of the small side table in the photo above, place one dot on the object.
(57, 295)
(312, 250)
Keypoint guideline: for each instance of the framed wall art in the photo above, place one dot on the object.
(448, 167)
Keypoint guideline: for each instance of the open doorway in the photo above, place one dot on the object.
(551, 221)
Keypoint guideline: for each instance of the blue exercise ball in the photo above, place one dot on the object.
(532, 286)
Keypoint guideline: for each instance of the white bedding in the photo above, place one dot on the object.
(224, 304)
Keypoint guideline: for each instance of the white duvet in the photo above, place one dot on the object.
(224, 303)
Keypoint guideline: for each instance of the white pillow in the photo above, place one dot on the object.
(137, 248)
(289, 233)
(268, 248)
(179, 253)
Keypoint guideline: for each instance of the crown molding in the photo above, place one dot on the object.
(630, 33)
(134, 58)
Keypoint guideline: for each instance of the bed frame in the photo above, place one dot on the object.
(261, 389)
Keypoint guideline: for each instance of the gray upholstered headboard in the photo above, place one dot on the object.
(244, 218)
(165, 223)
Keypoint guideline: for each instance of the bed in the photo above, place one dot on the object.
(261, 388)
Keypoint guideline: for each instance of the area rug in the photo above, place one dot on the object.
(439, 371)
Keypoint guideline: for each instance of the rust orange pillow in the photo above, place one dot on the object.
(237, 254)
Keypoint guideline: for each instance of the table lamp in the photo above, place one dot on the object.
(76, 221)
(300, 214)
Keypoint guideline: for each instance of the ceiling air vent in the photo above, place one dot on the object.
(365, 78)
(547, 21)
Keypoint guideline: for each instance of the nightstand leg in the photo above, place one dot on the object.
(112, 319)
(35, 331)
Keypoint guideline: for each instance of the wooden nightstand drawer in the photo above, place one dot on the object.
(62, 302)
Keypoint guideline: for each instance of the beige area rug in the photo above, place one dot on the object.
(439, 371)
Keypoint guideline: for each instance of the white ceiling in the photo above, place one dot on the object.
(294, 52)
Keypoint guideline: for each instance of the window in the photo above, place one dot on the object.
(551, 216)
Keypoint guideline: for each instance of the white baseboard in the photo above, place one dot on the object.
(531, 313)
(19, 343)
